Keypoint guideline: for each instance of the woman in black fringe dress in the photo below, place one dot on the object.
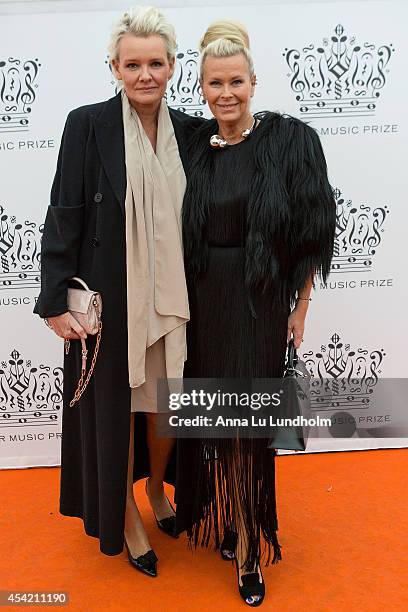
(258, 223)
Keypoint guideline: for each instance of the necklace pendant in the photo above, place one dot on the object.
(220, 143)
(217, 142)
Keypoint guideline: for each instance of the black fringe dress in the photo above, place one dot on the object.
(237, 329)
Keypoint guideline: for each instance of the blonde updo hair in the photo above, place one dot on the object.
(143, 21)
(225, 39)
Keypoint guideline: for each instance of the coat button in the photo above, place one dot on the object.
(98, 197)
(95, 242)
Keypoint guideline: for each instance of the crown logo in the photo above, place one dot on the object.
(185, 93)
(17, 93)
(358, 234)
(29, 395)
(342, 377)
(340, 77)
(20, 252)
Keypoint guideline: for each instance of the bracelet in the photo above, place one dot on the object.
(306, 299)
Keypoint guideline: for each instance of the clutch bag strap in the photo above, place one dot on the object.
(96, 306)
(82, 384)
(80, 281)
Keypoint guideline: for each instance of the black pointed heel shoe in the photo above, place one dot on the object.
(228, 545)
(168, 525)
(147, 563)
(252, 591)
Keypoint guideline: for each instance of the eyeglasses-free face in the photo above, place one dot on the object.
(228, 87)
(144, 69)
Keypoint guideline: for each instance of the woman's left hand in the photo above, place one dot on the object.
(296, 323)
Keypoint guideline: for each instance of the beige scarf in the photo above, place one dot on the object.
(157, 302)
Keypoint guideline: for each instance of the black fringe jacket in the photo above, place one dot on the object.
(291, 214)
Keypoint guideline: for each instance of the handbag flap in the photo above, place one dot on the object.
(79, 300)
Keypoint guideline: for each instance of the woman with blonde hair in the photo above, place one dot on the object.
(258, 225)
(115, 222)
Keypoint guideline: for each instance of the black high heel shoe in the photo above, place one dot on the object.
(147, 563)
(168, 525)
(252, 591)
(228, 545)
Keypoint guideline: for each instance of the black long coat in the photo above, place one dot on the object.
(84, 235)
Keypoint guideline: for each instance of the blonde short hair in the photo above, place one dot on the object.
(143, 21)
(225, 39)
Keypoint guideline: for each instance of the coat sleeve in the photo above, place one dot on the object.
(64, 221)
(311, 202)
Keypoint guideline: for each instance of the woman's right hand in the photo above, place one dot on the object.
(67, 327)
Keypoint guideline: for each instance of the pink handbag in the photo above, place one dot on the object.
(85, 306)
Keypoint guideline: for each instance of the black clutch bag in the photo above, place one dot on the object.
(291, 430)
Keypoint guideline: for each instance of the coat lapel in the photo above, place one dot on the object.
(179, 131)
(111, 146)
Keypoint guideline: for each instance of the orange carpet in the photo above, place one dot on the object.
(343, 529)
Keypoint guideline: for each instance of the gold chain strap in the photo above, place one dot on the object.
(81, 384)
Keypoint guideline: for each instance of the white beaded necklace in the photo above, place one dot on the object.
(220, 143)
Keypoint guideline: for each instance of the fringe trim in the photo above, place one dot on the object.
(236, 489)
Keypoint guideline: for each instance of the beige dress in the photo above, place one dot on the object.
(144, 398)
(156, 287)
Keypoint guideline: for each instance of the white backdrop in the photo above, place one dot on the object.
(339, 66)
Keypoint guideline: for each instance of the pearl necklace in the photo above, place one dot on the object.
(218, 142)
